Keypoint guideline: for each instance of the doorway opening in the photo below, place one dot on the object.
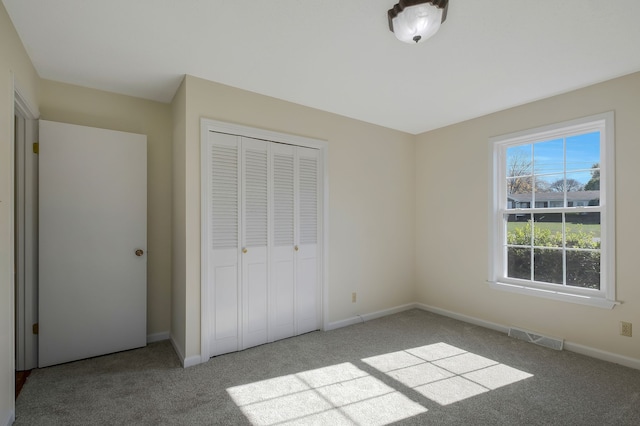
(25, 239)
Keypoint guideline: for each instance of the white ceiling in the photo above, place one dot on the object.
(336, 55)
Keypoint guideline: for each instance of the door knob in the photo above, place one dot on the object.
(296, 248)
(244, 250)
(139, 252)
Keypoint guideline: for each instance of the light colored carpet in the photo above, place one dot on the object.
(411, 368)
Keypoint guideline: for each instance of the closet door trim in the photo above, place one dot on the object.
(207, 126)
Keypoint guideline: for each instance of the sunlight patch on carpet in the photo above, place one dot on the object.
(444, 373)
(344, 394)
(338, 394)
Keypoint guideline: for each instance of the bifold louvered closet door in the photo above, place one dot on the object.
(262, 241)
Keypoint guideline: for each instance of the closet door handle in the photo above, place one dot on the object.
(296, 248)
(244, 250)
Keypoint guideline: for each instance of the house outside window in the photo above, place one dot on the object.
(563, 247)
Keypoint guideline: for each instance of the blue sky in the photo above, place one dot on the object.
(582, 152)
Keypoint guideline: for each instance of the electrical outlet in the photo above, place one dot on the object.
(353, 298)
(625, 329)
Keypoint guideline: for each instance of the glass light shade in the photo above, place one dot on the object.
(417, 23)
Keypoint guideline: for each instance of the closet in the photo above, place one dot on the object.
(261, 234)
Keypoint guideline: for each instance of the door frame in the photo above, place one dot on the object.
(26, 231)
(208, 125)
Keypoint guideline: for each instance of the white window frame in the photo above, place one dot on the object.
(605, 297)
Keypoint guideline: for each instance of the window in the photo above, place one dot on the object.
(562, 247)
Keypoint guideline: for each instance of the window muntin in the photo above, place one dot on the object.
(552, 229)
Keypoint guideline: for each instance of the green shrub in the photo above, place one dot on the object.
(582, 267)
(577, 237)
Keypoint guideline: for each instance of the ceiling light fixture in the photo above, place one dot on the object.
(417, 20)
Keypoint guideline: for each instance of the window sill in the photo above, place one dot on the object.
(598, 302)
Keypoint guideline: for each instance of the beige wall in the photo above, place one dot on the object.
(371, 200)
(452, 195)
(14, 64)
(178, 290)
(89, 107)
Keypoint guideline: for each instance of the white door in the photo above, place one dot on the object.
(255, 219)
(307, 212)
(92, 242)
(282, 284)
(221, 241)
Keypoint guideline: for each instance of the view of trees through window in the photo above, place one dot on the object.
(560, 245)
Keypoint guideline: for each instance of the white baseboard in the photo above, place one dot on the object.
(186, 362)
(177, 349)
(367, 317)
(343, 323)
(471, 320)
(157, 337)
(191, 361)
(569, 346)
(11, 417)
(603, 355)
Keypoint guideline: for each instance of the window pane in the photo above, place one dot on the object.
(548, 157)
(547, 230)
(576, 195)
(519, 192)
(592, 187)
(547, 266)
(519, 263)
(519, 161)
(593, 184)
(518, 229)
(576, 181)
(549, 191)
(583, 230)
(583, 151)
(583, 269)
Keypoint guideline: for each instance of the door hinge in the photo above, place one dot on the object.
(35, 328)
(36, 148)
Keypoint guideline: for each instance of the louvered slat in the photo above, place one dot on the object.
(255, 176)
(283, 195)
(224, 197)
(308, 183)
